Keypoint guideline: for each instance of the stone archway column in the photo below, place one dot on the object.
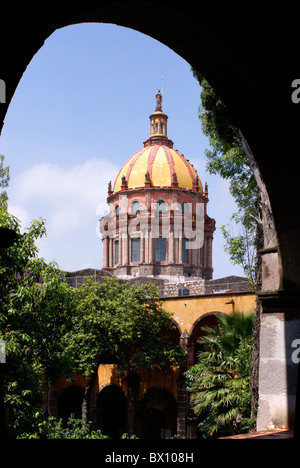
(104, 246)
(171, 245)
(278, 359)
(133, 381)
(186, 423)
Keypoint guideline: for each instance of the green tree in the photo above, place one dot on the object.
(4, 180)
(52, 330)
(35, 315)
(220, 382)
(242, 249)
(35, 311)
(122, 324)
(229, 156)
(75, 429)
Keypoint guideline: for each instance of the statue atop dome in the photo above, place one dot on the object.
(158, 102)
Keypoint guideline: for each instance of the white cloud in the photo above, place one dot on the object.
(71, 199)
(20, 212)
(68, 195)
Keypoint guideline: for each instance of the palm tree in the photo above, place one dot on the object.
(220, 383)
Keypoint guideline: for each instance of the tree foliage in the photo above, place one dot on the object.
(242, 250)
(51, 330)
(226, 157)
(220, 382)
(120, 323)
(75, 429)
(4, 181)
(35, 312)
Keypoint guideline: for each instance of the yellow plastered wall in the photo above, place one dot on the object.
(166, 379)
(108, 375)
(187, 309)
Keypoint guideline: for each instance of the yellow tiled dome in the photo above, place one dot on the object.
(161, 163)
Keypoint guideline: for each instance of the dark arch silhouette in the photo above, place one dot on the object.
(158, 414)
(207, 320)
(250, 63)
(173, 333)
(111, 411)
(70, 402)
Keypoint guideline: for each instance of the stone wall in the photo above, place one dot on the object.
(227, 283)
(78, 277)
(279, 360)
(188, 288)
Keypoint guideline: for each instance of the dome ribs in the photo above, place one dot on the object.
(132, 162)
(151, 159)
(170, 160)
(188, 167)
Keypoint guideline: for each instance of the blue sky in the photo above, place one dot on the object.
(80, 111)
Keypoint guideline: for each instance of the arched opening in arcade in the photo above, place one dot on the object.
(172, 333)
(70, 403)
(207, 320)
(111, 411)
(158, 414)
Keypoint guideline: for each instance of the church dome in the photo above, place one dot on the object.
(157, 194)
(157, 164)
(160, 162)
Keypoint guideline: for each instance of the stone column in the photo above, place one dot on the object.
(125, 249)
(120, 249)
(104, 247)
(146, 245)
(209, 251)
(279, 349)
(110, 253)
(194, 253)
(186, 420)
(107, 251)
(142, 240)
(198, 257)
(133, 381)
(202, 256)
(205, 252)
(180, 249)
(171, 246)
(52, 400)
(182, 407)
(279, 357)
(151, 260)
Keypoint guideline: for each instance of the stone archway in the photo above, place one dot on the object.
(243, 69)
